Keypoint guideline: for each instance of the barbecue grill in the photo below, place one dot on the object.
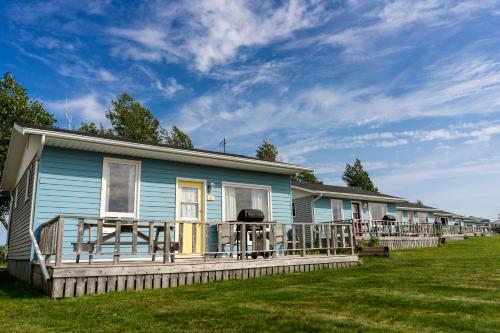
(261, 244)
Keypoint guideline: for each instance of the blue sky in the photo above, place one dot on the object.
(412, 88)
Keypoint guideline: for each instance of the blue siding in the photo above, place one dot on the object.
(69, 183)
(322, 210)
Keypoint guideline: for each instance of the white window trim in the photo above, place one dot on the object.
(104, 187)
(251, 186)
(27, 186)
(376, 203)
(341, 208)
(177, 196)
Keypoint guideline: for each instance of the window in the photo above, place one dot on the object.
(190, 202)
(378, 210)
(293, 209)
(119, 194)
(337, 210)
(26, 190)
(238, 197)
(422, 217)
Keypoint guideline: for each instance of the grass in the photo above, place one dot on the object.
(452, 288)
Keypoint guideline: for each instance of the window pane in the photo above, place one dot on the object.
(189, 210)
(121, 188)
(189, 194)
(378, 210)
(238, 198)
(337, 210)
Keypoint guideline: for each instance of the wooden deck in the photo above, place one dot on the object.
(71, 279)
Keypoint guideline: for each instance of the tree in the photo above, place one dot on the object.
(356, 176)
(267, 151)
(15, 105)
(92, 128)
(176, 138)
(420, 202)
(133, 121)
(306, 177)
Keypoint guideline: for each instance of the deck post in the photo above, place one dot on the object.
(294, 238)
(352, 239)
(116, 256)
(151, 240)
(328, 234)
(231, 240)
(91, 247)
(273, 238)
(59, 240)
(134, 236)
(79, 241)
(205, 232)
(166, 242)
(335, 239)
(303, 252)
(243, 241)
(100, 223)
(194, 236)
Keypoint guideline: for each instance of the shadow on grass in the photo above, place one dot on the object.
(11, 288)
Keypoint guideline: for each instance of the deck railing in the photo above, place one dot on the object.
(379, 228)
(80, 238)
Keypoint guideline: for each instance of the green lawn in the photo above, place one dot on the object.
(452, 288)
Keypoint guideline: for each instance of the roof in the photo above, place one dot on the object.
(55, 137)
(444, 213)
(343, 191)
(414, 206)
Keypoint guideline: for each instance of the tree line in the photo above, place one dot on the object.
(129, 119)
(354, 175)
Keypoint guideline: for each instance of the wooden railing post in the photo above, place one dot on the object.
(335, 239)
(59, 240)
(328, 234)
(194, 237)
(166, 242)
(151, 240)
(79, 241)
(243, 241)
(100, 223)
(134, 237)
(303, 253)
(352, 239)
(273, 238)
(206, 236)
(116, 256)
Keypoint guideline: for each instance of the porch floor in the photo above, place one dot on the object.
(72, 279)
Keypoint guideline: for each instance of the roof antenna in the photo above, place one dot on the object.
(69, 117)
(223, 143)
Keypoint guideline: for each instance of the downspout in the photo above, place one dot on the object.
(38, 253)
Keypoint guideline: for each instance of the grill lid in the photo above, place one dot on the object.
(251, 215)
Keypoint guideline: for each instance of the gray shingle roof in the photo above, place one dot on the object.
(341, 189)
(407, 204)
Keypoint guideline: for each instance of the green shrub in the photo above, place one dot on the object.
(3, 255)
(372, 242)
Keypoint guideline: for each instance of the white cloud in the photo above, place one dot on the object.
(210, 33)
(83, 108)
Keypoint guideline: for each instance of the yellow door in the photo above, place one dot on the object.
(190, 212)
